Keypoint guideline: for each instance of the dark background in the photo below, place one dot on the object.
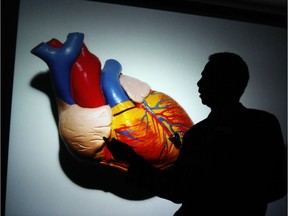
(273, 13)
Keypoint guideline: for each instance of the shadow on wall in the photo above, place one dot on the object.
(85, 174)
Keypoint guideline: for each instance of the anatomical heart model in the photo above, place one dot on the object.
(94, 103)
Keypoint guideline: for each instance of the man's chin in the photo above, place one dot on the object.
(205, 101)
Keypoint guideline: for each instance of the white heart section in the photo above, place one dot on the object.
(83, 129)
(136, 90)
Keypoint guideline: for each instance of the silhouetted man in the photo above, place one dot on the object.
(231, 163)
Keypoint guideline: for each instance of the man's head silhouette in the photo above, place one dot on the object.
(223, 80)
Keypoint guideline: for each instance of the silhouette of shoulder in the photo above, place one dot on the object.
(247, 144)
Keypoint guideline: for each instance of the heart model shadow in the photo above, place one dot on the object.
(86, 174)
(90, 103)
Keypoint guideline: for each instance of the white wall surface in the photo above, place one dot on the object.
(165, 49)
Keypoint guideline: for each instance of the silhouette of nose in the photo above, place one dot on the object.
(199, 83)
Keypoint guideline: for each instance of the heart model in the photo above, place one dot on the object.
(94, 103)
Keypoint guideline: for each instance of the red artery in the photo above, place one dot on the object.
(85, 78)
